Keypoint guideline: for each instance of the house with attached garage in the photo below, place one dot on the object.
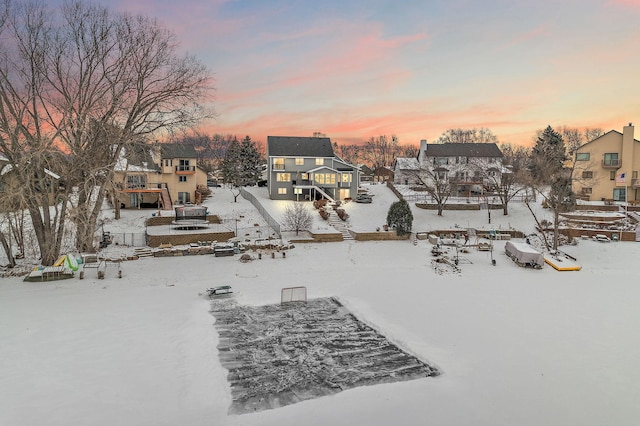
(306, 168)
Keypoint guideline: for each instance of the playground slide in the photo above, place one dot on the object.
(72, 262)
(60, 260)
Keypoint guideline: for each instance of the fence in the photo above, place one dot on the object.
(129, 239)
(263, 212)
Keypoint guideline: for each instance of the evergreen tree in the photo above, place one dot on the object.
(250, 162)
(400, 217)
(230, 166)
(547, 156)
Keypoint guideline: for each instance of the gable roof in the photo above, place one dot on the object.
(298, 146)
(406, 163)
(463, 150)
(177, 150)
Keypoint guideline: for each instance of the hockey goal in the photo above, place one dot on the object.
(293, 294)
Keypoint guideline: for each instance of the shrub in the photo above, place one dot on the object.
(400, 217)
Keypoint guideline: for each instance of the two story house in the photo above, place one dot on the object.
(306, 168)
(158, 175)
(606, 168)
(466, 167)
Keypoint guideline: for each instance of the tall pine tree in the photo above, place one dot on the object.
(230, 166)
(547, 157)
(250, 162)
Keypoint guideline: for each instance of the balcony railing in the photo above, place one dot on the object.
(614, 164)
(185, 169)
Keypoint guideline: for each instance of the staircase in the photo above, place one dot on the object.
(166, 199)
(339, 225)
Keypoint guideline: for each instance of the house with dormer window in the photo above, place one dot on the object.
(306, 168)
(465, 167)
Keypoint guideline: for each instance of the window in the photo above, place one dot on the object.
(634, 174)
(619, 194)
(583, 156)
(612, 175)
(611, 159)
(587, 175)
(346, 177)
(184, 166)
(283, 177)
(325, 178)
(304, 176)
(136, 181)
(168, 163)
(441, 161)
(319, 161)
(182, 178)
(278, 163)
(282, 191)
(299, 161)
(587, 191)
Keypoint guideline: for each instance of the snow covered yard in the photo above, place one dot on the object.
(514, 345)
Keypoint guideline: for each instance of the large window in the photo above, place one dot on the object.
(278, 163)
(619, 194)
(283, 177)
(325, 178)
(611, 159)
(136, 181)
(583, 156)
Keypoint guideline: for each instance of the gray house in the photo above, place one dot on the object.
(306, 168)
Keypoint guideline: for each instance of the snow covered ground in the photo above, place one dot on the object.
(515, 346)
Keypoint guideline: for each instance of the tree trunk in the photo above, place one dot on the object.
(7, 249)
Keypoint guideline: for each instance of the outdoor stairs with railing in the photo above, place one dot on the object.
(339, 225)
(166, 199)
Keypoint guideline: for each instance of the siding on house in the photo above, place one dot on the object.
(304, 168)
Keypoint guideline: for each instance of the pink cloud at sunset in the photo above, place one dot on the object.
(354, 70)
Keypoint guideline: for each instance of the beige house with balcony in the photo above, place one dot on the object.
(607, 167)
(158, 176)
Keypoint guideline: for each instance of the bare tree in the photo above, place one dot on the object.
(297, 217)
(507, 182)
(481, 135)
(89, 82)
(436, 183)
(382, 150)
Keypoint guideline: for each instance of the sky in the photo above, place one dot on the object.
(357, 69)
